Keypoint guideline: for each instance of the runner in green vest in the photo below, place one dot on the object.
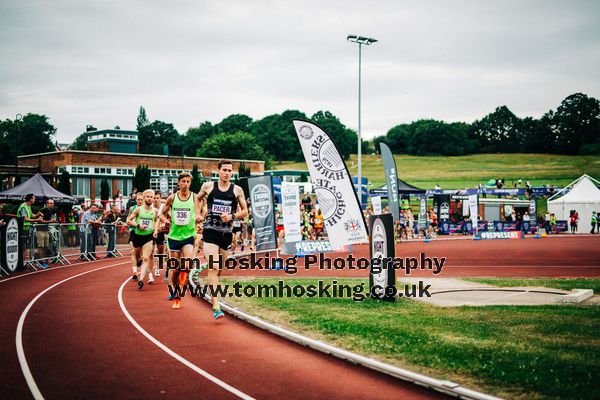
(135, 262)
(184, 212)
(143, 219)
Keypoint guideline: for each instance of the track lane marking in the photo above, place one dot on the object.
(35, 391)
(52, 269)
(176, 356)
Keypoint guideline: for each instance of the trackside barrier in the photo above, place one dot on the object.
(447, 387)
(63, 244)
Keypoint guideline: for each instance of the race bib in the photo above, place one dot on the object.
(220, 209)
(148, 223)
(237, 223)
(182, 216)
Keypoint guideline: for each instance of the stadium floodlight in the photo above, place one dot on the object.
(361, 40)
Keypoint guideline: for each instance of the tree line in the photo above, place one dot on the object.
(573, 128)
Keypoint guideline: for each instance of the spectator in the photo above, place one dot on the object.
(47, 233)
(24, 211)
(547, 222)
(594, 222)
(71, 221)
(552, 222)
(307, 202)
(110, 222)
(91, 222)
(318, 223)
(574, 220)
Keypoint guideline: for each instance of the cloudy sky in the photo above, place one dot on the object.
(97, 62)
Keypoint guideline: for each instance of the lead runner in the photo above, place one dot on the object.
(222, 199)
(185, 212)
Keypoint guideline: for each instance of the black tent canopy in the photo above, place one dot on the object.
(42, 191)
(403, 189)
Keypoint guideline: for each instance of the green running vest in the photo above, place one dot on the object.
(183, 218)
(146, 218)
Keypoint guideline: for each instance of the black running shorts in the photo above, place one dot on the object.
(221, 239)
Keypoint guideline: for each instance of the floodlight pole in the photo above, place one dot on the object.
(18, 119)
(360, 40)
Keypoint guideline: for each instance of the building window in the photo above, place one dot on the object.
(125, 186)
(81, 187)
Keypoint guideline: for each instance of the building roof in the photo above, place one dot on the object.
(129, 155)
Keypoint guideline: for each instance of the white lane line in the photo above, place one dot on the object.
(35, 391)
(176, 356)
(50, 269)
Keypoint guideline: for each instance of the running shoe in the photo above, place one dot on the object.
(134, 277)
(170, 297)
(176, 304)
(140, 284)
(217, 314)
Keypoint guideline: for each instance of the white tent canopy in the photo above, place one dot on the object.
(584, 197)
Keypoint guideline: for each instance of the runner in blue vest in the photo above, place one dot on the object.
(222, 199)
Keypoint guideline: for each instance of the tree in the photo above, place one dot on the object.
(303, 177)
(277, 135)
(104, 190)
(243, 171)
(153, 136)
(196, 180)
(234, 123)
(141, 178)
(345, 139)
(37, 131)
(142, 119)
(438, 137)
(194, 137)
(80, 142)
(64, 182)
(238, 145)
(575, 123)
(500, 131)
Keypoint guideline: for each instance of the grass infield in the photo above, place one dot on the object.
(467, 171)
(526, 352)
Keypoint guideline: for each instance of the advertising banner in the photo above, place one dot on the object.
(389, 165)
(290, 197)
(382, 249)
(263, 215)
(376, 201)
(344, 220)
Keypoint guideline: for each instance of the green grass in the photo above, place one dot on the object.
(563, 283)
(546, 352)
(468, 171)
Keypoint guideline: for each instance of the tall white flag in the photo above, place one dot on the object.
(344, 220)
(290, 204)
(473, 211)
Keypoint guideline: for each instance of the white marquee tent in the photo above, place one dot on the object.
(584, 197)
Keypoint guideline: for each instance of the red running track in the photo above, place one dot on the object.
(556, 256)
(78, 343)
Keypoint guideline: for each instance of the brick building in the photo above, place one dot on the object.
(88, 168)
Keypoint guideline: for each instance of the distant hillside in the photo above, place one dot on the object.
(466, 171)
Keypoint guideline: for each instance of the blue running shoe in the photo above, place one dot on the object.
(218, 314)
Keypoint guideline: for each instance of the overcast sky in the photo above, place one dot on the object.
(96, 62)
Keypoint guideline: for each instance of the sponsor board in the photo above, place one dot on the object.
(500, 235)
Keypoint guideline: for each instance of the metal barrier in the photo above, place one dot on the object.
(63, 244)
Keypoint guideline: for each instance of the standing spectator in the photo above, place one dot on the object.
(71, 221)
(594, 222)
(547, 222)
(319, 223)
(110, 223)
(574, 220)
(24, 211)
(552, 222)
(47, 233)
(91, 222)
(307, 202)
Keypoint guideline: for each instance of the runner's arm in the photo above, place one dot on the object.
(131, 218)
(166, 208)
(241, 198)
